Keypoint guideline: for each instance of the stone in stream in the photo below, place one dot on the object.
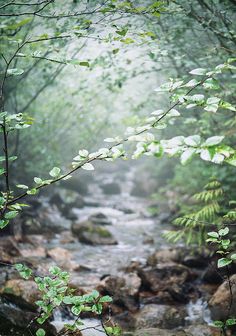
(111, 188)
(162, 316)
(184, 256)
(26, 290)
(220, 301)
(91, 234)
(16, 314)
(124, 290)
(198, 330)
(164, 276)
(100, 219)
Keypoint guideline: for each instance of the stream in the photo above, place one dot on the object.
(138, 235)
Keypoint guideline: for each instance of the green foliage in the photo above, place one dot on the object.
(195, 224)
(55, 291)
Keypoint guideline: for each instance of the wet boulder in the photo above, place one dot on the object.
(170, 283)
(16, 314)
(158, 332)
(163, 276)
(162, 316)
(221, 300)
(24, 289)
(124, 290)
(9, 249)
(91, 234)
(49, 220)
(202, 330)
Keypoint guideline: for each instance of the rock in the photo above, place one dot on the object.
(159, 332)
(100, 219)
(170, 282)
(220, 301)
(92, 234)
(184, 256)
(8, 249)
(211, 275)
(125, 320)
(123, 289)
(164, 256)
(202, 330)
(38, 252)
(49, 220)
(26, 289)
(163, 316)
(148, 240)
(16, 314)
(63, 258)
(59, 253)
(66, 237)
(66, 199)
(111, 188)
(163, 276)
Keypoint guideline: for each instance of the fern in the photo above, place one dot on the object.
(194, 225)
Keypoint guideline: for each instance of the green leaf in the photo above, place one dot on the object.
(231, 322)
(193, 140)
(11, 214)
(224, 232)
(55, 172)
(219, 324)
(213, 234)
(40, 332)
(187, 155)
(212, 141)
(198, 71)
(223, 262)
(87, 166)
(15, 72)
(38, 180)
(86, 64)
(3, 223)
(32, 191)
(22, 186)
(233, 256)
(105, 298)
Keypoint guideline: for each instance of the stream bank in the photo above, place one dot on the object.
(105, 236)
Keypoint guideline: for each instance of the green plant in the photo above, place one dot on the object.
(55, 292)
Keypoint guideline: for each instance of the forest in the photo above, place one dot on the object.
(117, 168)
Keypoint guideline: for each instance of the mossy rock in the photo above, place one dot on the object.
(91, 234)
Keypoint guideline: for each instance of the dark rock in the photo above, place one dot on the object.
(16, 314)
(124, 290)
(100, 219)
(92, 234)
(163, 316)
(211, 275)
(111, 188)
(164, 276)
(221, 300)
(125, 320)
(159, 332)
(49, 220)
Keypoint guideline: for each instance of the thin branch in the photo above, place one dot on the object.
(99, 156)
